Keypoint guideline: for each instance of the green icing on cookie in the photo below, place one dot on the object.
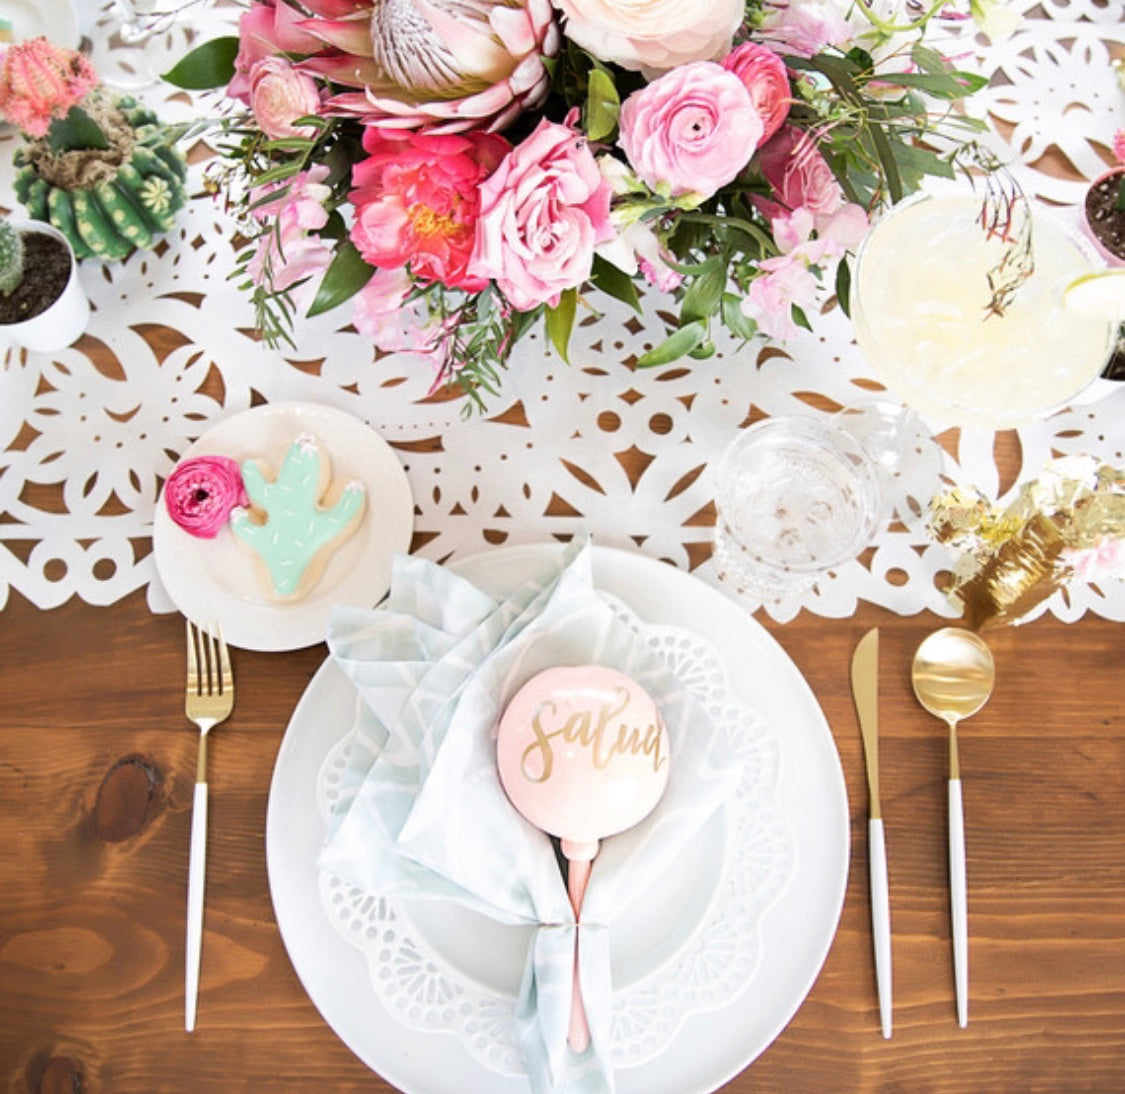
(296, 528)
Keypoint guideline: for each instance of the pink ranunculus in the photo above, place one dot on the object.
(798, 176)
(690, 131)
(289, 249)
(543, 211)
(417, 198)
(765, 76)
(266, 29)
(279, 95)
(380, 312)
(652, 35)
(201, 492)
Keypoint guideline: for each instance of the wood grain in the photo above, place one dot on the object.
(96, 770)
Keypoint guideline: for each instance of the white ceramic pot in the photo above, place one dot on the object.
(64, 321)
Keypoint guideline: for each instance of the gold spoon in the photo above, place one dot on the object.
(953, 674)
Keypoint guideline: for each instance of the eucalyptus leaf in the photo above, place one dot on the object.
(559, 322)
(602, 105)
(607, 278)
(208, 65)
(734, 319)
(345, 276)
(680, 343)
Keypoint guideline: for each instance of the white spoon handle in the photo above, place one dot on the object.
(958, 901)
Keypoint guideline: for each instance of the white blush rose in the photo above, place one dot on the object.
(652, 35)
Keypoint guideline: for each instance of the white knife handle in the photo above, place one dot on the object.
(880, 918)
(196, 876)
(959, 901)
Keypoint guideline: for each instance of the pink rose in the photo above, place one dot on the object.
(279, 95)
(201, 492)
(799, 177)
(267, 28)
(764, 75)
(691, 131)
(542, 213)
(416, 201)
(289, 250)
(652, 35)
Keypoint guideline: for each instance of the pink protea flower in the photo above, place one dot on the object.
(40, 81)
(443, 66)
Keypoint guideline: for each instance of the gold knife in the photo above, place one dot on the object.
(865, 692)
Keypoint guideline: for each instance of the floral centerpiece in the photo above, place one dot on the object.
(458, 168)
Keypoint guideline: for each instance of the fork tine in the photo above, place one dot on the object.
(192, 660)
(226, 679)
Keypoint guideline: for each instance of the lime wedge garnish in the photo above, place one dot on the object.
(1100, 293)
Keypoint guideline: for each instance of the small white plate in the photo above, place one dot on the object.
(54, 19)
(216, 579)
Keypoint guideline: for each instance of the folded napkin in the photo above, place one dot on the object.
(421, 811)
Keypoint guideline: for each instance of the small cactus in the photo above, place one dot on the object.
(41, 82)
(11, 257)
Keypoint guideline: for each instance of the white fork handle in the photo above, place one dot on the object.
(959, 902)
(880, 919)
(196, 875)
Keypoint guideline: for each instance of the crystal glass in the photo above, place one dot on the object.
(794, 498)
(924, 279)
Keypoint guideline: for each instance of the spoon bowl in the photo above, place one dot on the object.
(953, 674)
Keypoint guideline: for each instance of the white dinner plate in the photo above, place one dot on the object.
(55, 19)
(797, 930)
(217, 579)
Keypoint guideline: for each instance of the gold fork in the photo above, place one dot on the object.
(209, 699)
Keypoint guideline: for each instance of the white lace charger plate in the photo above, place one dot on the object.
(216, 580)
(704, 1047)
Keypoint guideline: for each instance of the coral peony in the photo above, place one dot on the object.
(652, 35)
(417, 197)
(690, 131)
(543, 211)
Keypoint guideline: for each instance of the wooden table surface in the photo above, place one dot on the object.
(96, 772)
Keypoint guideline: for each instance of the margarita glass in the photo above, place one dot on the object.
(921, 307)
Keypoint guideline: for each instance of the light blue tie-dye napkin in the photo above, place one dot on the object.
(422, 812)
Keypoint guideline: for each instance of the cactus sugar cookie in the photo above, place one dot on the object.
(296, 518)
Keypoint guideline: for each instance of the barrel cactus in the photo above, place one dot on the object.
(101, 169)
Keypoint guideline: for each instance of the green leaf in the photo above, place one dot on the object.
(206, 66)
(701, 300)
(734, 320)
(675, 346)
(560, 322)
(844, 287)
(75, 132)
(607, 278)
(345, 276)
(602, 105)
(799, 317)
